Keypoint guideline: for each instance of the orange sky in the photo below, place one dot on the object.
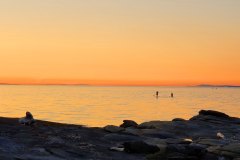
(120, 42)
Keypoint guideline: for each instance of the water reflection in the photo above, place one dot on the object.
(110, 105)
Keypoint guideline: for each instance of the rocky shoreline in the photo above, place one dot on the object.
(210, 135)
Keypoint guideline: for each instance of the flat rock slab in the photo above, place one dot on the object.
(179, 139)
(55, 141)
(113, 129)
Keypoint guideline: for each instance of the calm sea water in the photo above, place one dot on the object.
(99, 106)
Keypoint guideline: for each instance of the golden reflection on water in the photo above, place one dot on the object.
(99, 106)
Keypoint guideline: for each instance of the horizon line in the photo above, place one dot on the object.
(63, 84)
(119, 85)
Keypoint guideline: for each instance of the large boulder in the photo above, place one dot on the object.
(128, 123)
(178, 120)
(213, 113)
(151, 125)
(133, 131)
(140, 147)
(180, 151)
(196, 149)
(160, 143)
(113, 129)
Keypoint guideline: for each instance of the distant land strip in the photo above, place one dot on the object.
(208, 85)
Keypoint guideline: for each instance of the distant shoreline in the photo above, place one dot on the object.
(201, 85)
(207, 85)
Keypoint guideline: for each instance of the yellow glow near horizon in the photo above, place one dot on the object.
(122, 42)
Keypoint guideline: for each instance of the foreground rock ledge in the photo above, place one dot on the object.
(210, 135)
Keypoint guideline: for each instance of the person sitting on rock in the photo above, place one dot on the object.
(27, 120)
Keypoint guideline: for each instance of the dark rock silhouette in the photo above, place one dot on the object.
(128, 123)
(198, 138)
(178, 119)
(213, 113)
(113, 129)
(140, 147)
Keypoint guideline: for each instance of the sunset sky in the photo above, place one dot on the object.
(120, 42)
